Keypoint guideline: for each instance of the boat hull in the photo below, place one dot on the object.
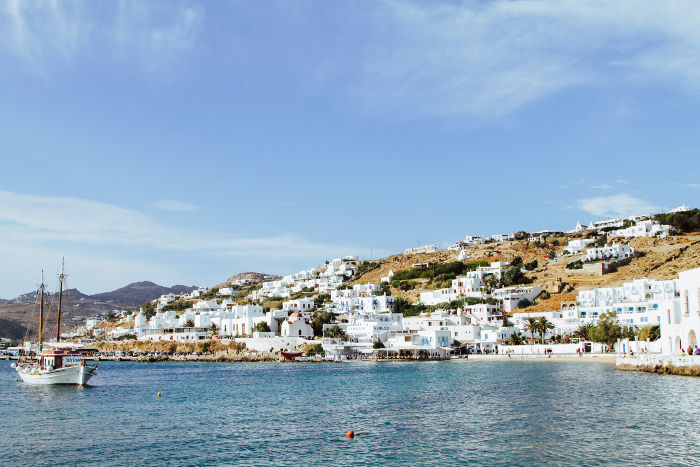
(76, 374)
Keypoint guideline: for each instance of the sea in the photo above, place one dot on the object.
(408, 413)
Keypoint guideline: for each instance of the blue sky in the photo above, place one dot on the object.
(182, 142)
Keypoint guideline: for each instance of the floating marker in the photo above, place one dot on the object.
(159, 394)
(350, 434)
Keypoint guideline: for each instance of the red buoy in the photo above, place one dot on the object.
(350, 434)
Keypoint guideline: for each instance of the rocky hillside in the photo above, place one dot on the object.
(21, 312)
(659, 259)
(255, 278)
(138, 293)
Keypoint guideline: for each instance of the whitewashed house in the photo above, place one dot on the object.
(510, 297)
(616, 251)
(297, 326)
(680, 318)
(647, 228)
(575, 247)
(421, 249)
(301, 304)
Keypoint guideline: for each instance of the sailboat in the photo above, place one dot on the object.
(54, 365)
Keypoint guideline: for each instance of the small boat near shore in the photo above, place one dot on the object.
(54, 365)
(291, 355)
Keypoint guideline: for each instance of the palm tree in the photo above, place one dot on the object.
(583, 331)
(531, 326)
(543, 326)
(515, 339)
(213, 328)
(189, 323)
(506, 321)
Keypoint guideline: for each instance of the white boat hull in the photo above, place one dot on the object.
(76, 374)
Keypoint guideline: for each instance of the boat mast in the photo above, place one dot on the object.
(61, 279)
(41, 310)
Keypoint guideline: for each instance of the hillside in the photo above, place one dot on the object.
(138, 293)
(22, 311)
(660, 259)
(255, 278)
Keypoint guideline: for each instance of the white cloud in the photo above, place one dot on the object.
(600, 186)
(108, 236)
(173, 205)
(622, 181)
(151, 34)
(689, 185)
(620, 205)
(491, 58)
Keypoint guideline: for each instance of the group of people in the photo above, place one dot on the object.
(693, 350)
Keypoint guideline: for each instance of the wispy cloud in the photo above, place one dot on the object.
(491, 58)
(688, 185)
(103, 237)
(622, 181)
(31, 218)
(42, 33)
(620, 205)
(601, 186)
(173, 205)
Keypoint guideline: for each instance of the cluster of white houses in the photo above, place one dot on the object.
(369, 324)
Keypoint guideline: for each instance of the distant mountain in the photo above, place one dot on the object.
(138, 293)
(12, 329)
(70, 294)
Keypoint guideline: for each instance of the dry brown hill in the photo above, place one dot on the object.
(660, 258)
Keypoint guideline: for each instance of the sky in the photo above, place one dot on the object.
(182, 142)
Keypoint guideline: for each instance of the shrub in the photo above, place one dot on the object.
(578, 264)
(377, 345)
(178, 305)
(335, 332)
(686, 221)
(262, 326)
(315, 349)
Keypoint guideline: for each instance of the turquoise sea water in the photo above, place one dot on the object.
(424, 413)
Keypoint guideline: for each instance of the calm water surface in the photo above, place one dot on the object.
(427, 413)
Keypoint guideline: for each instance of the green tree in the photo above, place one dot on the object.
(261, 326)
(544, 325)
(189, 323)
(583, 331)
(514, 276)
(653, 333)
(607, 330)
(531, 326)
(322, 318)
(320, 299)
(515, 338)
(213, 329)
(334, 332)
(377, 345)
(316, 349)
(506, 321)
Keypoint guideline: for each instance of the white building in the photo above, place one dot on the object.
(297, 325)
(616, 251)
(421, 249)
(388, 277)
(575, 247)
(680, 318)
(301, 304)
(227, 291)
(636, 304)
(501, 237)
(647, 228)
(510, 297)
